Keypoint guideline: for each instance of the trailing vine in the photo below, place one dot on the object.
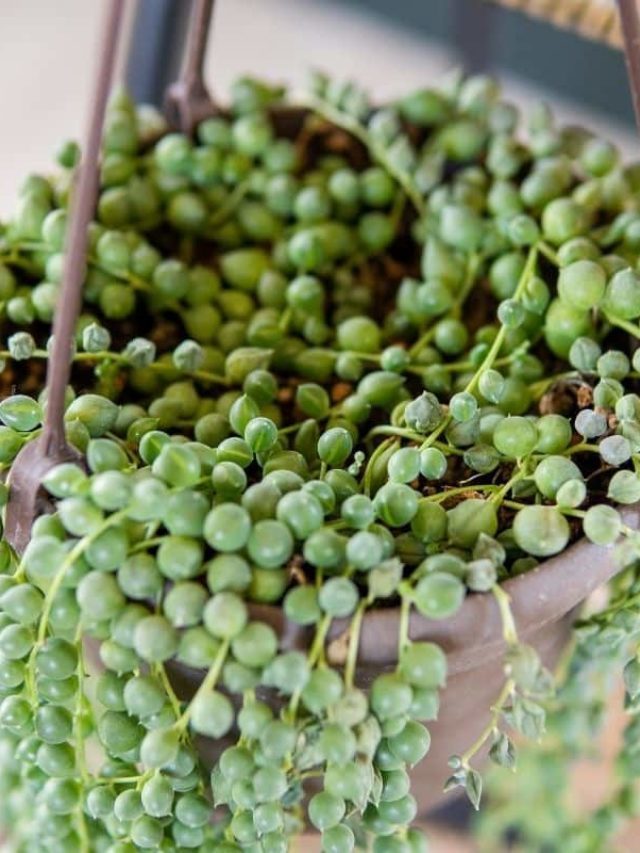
(381, 362)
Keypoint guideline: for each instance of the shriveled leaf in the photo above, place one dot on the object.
(338, 649)
(544, 686)
(310, 755)
(474, 788)
(376, 787)
(503, 751)
(293, 794)
(367, 775)
(468, 779)
(368, 736)
(220, 788)
(631, 676)
(527, 717)
(523, 664)
(456, 780)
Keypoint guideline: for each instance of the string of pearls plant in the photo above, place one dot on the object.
(382, 360)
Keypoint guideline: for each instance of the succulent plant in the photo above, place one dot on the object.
(383, 359)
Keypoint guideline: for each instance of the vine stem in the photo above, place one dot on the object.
(494, 350)
(81, 758)
(77, 719)
(467, 285)
(73, 555)
(144, 545)
(547, 251)
(496, 712)
(499, 494)
(67, 563)
(431, 439)
(295, 427)
(207, 684)
(400, 432)
(403, 627)
(354, 644)
(510, 635)
(377, 453)
(78, 737)
(168, 689)
(121, 780)
(397, 210)
(465, 366)
(107, 355)
(456, 308)
(317, 648)
(503, 601)
(515, 504)
(85, 843)
(630, 328)
(316, 652)
(439, 497)
(353, 126)
(582, 447)
(228, 206)
(491, 356)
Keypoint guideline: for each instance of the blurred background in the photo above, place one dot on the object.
(46, 63)
(47, 52)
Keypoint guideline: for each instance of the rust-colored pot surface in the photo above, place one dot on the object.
(544, 603)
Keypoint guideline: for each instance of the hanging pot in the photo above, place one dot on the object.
(545, 603)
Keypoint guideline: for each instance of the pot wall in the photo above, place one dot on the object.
(465, 710)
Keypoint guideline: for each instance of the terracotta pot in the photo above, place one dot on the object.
(544, 603)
